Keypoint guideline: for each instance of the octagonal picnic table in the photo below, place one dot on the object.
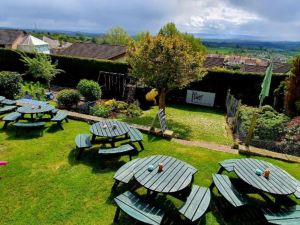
(41, 109)
(109, 129)
(279, 183)
(175, 177)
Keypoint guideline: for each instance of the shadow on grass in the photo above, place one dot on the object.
(23, 134)
(98, 163)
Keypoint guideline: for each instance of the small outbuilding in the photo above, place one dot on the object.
(31, 44)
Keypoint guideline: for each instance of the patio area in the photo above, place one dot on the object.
(43, 178)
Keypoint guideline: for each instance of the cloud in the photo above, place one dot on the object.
(268, 18)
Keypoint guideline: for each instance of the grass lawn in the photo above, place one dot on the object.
(44, 184)
(191, 122)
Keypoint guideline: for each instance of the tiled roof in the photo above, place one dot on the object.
(212, 61)
(52, 43)
(91, 50)
(248, 65)
(8, 37)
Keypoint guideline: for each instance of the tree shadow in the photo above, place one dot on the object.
(23, 134)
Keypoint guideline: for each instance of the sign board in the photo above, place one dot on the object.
(200, 98)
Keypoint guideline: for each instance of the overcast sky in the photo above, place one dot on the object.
(267, 19)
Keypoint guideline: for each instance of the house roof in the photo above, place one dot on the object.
(248, 65)
(8, 37)
(52, 43)
(32, 41)
(91, 50)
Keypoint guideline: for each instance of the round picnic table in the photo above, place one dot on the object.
(176, 174)
(30, 102)
(109, 129)
(2, 98)
(278, 183)
(35, 109)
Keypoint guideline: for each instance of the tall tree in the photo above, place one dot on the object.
(117, 36)
(165, 63)
(292, 92)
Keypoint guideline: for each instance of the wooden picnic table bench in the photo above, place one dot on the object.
(136, 136)
(12, 117)
(196, 204)
(227, 190)
(124, 173)
(59, 118)
(118, 151)
(138, 209)
(283, 216)
(227, 165)
(28, 125)
(9, 102)
(6, 109)
(82, 142)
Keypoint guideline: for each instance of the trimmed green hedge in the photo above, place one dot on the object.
(75, 68)
(245, 86)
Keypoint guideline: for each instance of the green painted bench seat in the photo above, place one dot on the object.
(121, 150)
(228, 191)
(227, 165)
(138, 209)
(28, 125)
(82, 142)
(124, 173)
(9, 102)
(12, 117)
(59, 118)
(283, 216)
(196, 204)
(297, 193)
(6, 109)
(136, 136)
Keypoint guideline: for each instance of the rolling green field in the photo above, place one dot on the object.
(44, 184)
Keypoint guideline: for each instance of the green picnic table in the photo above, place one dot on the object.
(176, 174)
(279, 183)
(109, 129)
(40, 109)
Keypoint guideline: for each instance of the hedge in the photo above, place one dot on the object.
(75, 68)
(245, 86)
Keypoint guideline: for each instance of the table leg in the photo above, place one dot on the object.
(93, 138)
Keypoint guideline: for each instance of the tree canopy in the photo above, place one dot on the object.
(165, 63)
(117, 36)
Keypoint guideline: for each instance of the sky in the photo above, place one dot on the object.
(260, 19)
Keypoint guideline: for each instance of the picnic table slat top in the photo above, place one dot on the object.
(279, 181)
(176, 174)
(36, 109)
(105, 128)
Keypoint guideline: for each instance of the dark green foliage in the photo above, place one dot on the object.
(10, 84)
(75, 68)
(117, 106)
(279, 96)
(134, 110)
(89, 89)
(68, 98)
(291, 139)
(101, 110)
(36, 90)
(270, 124)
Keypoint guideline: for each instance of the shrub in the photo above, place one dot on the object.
(36, 90)
(269, 126)
(68, 97)
(10, 84)
(89, 89)
(101, 110)
(291, 139)
(115, 105)
(134, 110)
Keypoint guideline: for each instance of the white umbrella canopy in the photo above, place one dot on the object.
(31, 44)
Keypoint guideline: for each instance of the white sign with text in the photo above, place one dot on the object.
(200, 98)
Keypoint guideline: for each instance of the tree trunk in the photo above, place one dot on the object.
(162, 99)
